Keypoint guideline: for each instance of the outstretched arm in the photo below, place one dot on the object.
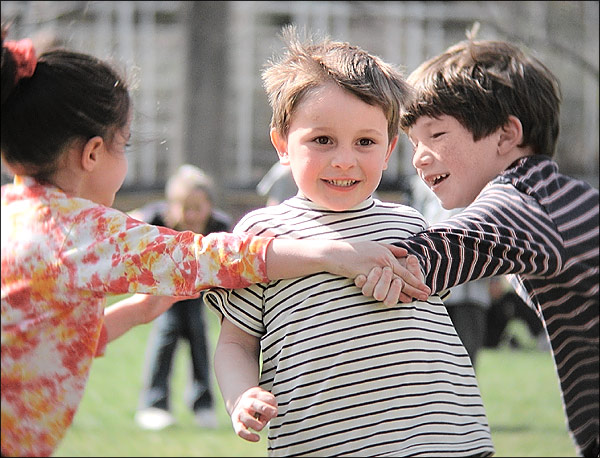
(237, 367)
(491, 237)
(288, 258)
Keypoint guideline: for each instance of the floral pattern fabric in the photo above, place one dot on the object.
(61, 257)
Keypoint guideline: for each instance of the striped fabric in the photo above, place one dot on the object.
(542, 228)
(351, 376)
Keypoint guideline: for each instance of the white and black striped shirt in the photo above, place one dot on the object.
(353, 377)
(542, 228)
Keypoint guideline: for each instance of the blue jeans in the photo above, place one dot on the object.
(184, 320)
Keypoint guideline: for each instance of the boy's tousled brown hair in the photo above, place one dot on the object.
(481, 83)
(307, 65)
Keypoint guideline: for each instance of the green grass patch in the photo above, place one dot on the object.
(519, 389)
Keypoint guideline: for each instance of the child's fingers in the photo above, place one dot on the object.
(383, 284)
(360, 280)
(371, 281)
(254, 410)
(409, 270)
(394, 292)
(396, 250)
(409, 293)
(413, 266)
(250, 419)
(242, 431)
(263, 411)
(243, 421)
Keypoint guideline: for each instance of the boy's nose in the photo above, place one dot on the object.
(344, 159)
(421, 157)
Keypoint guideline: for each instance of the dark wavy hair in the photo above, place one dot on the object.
(70, 96)
(481, 84)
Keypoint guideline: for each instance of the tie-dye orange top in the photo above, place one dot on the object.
(61, 257)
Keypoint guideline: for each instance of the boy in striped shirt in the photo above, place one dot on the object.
(341, 375)
(484, 125)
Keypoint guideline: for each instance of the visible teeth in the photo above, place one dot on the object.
(436, 179)
(341, 182)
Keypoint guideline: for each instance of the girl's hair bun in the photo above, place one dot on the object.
(23, 54)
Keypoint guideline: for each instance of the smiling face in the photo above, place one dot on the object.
(337, 147)
(451, 163)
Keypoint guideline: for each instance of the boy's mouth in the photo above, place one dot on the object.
(341, 183)
(434, 180)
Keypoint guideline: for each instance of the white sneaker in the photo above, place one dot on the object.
(154, 418)
(206, 418)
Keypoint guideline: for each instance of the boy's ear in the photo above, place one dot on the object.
(91, 153)
(511, 135)
(388, 154)
(280, 144)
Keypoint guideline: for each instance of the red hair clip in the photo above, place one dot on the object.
(24, 56)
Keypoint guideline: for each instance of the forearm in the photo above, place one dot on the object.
(236, 367)
(135, 310)
(123, 315)
(287, 258)
(290, 258)
(466, 251)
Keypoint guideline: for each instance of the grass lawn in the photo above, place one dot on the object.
(519, 389)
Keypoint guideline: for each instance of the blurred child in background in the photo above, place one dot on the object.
(189, 206)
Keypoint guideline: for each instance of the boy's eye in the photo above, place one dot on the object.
(365, 142)
(322, 140)
(437, 134)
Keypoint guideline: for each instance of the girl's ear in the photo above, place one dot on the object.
(280, 144)
(511, 135)
(91, 153)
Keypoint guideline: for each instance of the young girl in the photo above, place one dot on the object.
(65, 125)
(189, 205)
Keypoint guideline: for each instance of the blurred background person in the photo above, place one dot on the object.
(277, 185)
(188, 206)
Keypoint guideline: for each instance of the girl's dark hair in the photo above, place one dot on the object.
(70, 96)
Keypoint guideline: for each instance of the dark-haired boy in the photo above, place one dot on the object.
(484, 125)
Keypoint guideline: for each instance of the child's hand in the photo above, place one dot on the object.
(363, 258)
(255, 409)
(388, 288)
